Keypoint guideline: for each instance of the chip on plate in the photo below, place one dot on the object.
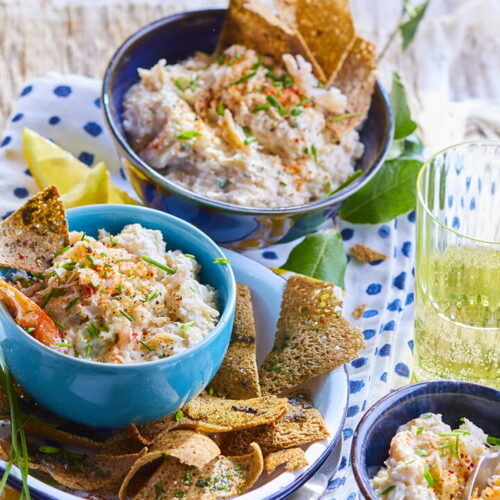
(31, 236)
(301, 424)
(238, 376)
(312, 338)
(292, 459)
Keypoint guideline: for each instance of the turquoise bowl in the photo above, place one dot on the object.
(108, 395)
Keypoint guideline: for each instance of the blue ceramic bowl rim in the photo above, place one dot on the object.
(165, 183)
(226, 313)
(377, 409)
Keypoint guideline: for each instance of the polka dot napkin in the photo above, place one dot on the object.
(67, 110)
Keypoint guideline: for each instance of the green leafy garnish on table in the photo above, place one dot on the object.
(409, 27)
(320, 255)
(403, 123)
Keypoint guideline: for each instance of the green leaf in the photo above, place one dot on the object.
(390, 193)
(409, 28)
(320, 255)
(349, 180)
(403, 124)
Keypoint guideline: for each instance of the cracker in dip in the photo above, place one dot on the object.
(242, 129)
(124, 298)
(430, 461)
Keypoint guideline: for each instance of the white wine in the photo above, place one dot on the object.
(457, 316)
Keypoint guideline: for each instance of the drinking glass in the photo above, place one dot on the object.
(457, 281)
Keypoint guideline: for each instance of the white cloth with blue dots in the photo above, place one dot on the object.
(66, 109)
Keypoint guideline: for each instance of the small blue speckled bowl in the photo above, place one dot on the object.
(454, 400)
(109, 395)
(178, 37)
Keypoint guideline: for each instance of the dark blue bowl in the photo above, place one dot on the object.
(454, 400)
(178, 37)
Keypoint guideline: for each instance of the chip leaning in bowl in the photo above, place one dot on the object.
(430, 461)
(243, 129)
(123, 298)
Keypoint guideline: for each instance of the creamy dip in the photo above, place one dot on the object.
(125, 298)
(242, 129)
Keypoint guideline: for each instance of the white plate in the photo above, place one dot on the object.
(329, 392)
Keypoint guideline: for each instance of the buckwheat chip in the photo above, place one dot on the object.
(364, 254)
(292, 459)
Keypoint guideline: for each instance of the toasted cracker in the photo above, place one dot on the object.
(223, 477)
(358, 312)
(364, 254)
(328, 30)
(234, 414)
(254, 25)
(93, 473)
(31, 236)
(356, 80)
(301, 424)
(189, 448)
(292, 459)
(238, 376)
(312, 338)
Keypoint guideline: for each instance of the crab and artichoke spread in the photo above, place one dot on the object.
(124, 298)
(430, 461)
(242, 129)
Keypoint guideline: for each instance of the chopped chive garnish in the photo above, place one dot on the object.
(152, 295)
(145, 345)
(112, 240)
(50, 449)
(248, 140)
(221, 260)
(189, 256)
(161, 266)
(69, 266)
(120, 288)
(60, 325)
(211, 391)
(190, 134)
(494, 441)
(305, 150)
(90, 259)
(272, 100)
(87, 350)
(30, 329)
(296, 112)
(304, 101)
(428, 477)
(185, 326)
(388, 489)
(62, 344)
(181, 84)
(130, 278)
(193, 84)
(265, 107)
(247, 129)
(102, 254)
(37, 275)
(125, 315)
(320, 85)
(54, 292)
(345, 117)
(107, 265)
(93, 330)
(220, 108)
(221, 59)
(314, 152)
(421, 452)
(179, 415)
(244, 78)
(62, 250)
(84, 237)
(419, 430)
(426, 415)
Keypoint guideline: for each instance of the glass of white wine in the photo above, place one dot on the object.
(457, 281)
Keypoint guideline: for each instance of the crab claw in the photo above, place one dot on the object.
(29, 315)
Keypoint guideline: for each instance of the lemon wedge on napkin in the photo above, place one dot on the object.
(79, 184)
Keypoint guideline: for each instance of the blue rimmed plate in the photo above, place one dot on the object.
(330, 393)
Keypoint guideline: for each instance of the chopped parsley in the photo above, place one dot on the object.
(221, 59)
(125, 315)
(419, 430)
(220, 108)
(221, 260)
(190, 134)
(159, 265)
(179, 415)
(145, 345)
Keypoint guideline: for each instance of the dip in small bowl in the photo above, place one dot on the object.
(100, 376)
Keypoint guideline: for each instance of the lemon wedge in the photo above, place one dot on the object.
(79, 185)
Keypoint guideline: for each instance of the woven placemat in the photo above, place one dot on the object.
(38, 36)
